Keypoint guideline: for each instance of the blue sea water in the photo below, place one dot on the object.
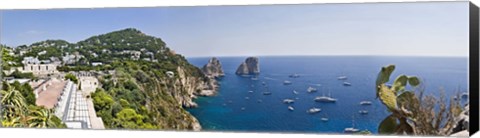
(223, 112)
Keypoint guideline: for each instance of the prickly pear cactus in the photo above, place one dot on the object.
(396, 98)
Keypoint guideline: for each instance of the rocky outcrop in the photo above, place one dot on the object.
(461, 127)
(249, 67)
(213, 68)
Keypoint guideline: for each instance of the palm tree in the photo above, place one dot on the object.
(41, 118)
(14, 103)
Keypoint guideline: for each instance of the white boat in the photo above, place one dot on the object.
(325, 99)
(290, 108)
(347, 84)
(295, 92)
(267, 93)
(363, 112)
(351, 129)
(287, 82)
(324, 119)
(314, 110)
(365, 103)
(288, 101)
(250, 91)
(311, 89)
(294, 75)
(342, 78)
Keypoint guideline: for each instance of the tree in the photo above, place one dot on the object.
(71, 77)
(42, 118)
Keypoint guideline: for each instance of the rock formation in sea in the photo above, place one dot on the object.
(249, 67)
(213, 68)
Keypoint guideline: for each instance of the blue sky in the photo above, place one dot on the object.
(399, 29)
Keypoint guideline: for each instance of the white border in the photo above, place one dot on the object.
(70, 133)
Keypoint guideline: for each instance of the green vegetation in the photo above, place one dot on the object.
(18, 112)
(412, 114)
(72, 78)
(18, 74)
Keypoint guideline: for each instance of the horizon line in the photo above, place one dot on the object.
(332, 55)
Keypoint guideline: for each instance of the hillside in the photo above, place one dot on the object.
(137, 91)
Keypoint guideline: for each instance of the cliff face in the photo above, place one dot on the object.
(213, 68)
(249, 67)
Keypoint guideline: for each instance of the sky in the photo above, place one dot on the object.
(395, 29)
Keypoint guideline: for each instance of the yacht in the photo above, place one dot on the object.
(287, 82)
(365, 103)
(325, 99)
(314, 110)
(250, 91)
(324, 119)
(363, 112)
(295, 92)
(288, 101)
(290, 108)
(347, 84)
(294, 75)
(351, 129)
(342, 77)
(311, 89)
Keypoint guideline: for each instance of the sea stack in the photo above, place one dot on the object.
(213, 68)
(249, 67)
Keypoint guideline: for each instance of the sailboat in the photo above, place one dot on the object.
(324, 119)
(325, 99)
(351, 129)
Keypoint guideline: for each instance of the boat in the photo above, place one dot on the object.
(324, 119)
(287, 82)
(295, 92)
(267, 93)
(259, 101)
(342, 77)
(263, 83)
(347, 84)
(365, 103)
(325, 99)
(250, 91)
(351, 129)
(247, 98)
(288, 101)
(243, 108)
(311, 89)
(295, 75)
(290, 108)
(363, 112)
(314, 110)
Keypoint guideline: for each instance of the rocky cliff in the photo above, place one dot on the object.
(213, 68)
(249, 67)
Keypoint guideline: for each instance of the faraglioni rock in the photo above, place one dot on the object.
(213, 68)
(249, 67)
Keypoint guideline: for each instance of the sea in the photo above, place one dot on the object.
(241, 106)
